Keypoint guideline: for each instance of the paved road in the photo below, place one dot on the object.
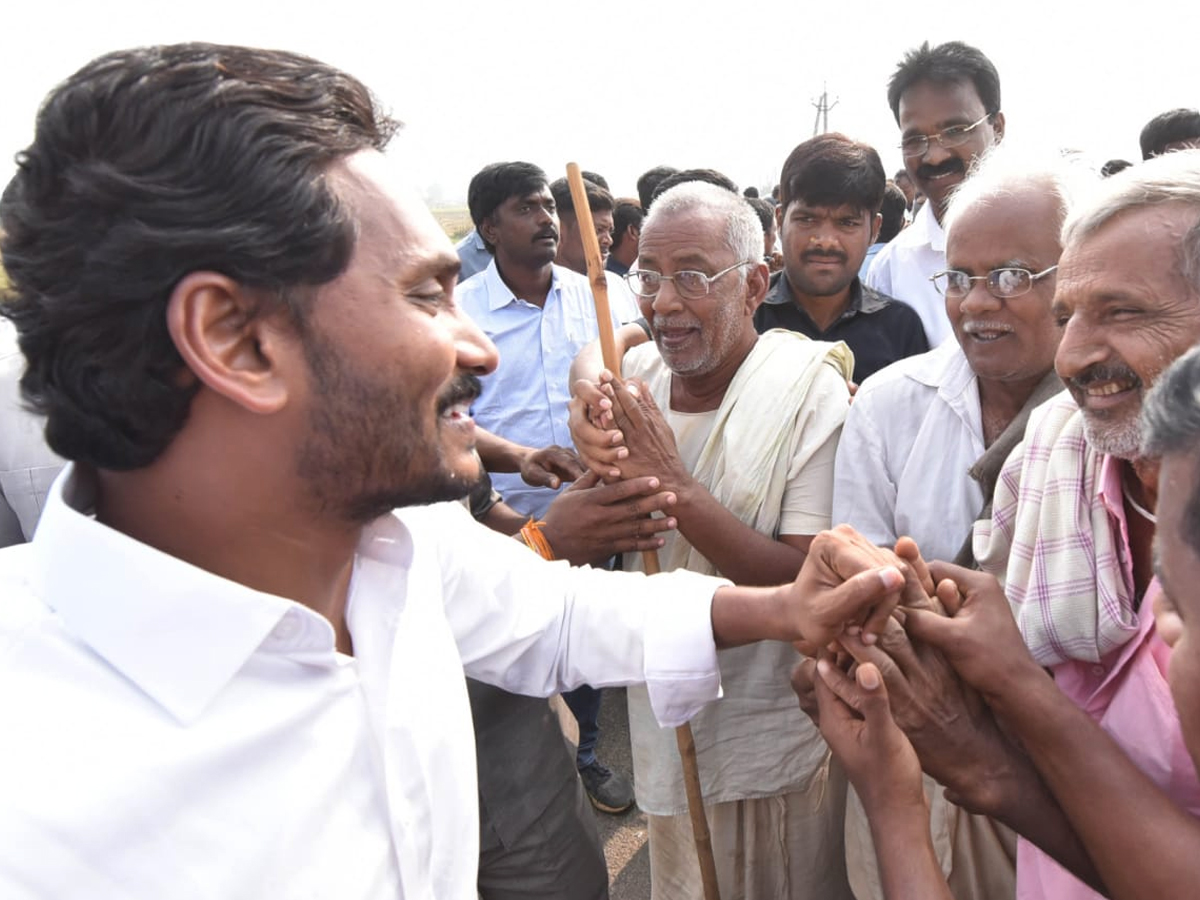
(624, 836)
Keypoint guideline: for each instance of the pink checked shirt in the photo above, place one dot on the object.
(1128, 695)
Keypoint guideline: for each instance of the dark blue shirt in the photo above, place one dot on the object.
(879, 329)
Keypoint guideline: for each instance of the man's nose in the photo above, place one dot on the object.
(979, 299)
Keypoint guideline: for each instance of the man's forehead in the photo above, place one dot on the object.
(800, 205)
(536, 193)
(389, 209)
(947, 100)
(691, 235)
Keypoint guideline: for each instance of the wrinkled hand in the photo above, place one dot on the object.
(646, 436)
(954, 733)
(591, 521)
(981, 639)
(855, 719)
(597, 440)
(550, 466)
(845, 582)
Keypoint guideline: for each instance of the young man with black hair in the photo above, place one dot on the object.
(539, 315)
(1176, 129)
(831, 189)
(891, 223)
(946, 100)
(234, 648)
(648, 181)
(627, 226)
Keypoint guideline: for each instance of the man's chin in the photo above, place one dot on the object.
(439, 487)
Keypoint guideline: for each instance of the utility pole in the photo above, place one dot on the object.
(823, 106)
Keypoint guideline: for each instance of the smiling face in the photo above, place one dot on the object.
(390, 358)
(695, 337)
(1011, 340)
(1129, 313)
(1177, 609)
(929, 108)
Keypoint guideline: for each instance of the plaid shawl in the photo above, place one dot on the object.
(1053, 545)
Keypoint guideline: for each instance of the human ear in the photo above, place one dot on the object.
(227, 344)
(487, 229)
(998, 126)
(876, 224)
(758, 282)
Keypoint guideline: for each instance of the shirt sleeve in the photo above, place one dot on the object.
(535, 627)
(864, 493)
(879, 276)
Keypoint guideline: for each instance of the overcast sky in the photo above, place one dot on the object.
(623, 86)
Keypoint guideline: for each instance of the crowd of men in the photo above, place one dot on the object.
(309, 512)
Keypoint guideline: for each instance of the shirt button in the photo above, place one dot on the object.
(1097, 671)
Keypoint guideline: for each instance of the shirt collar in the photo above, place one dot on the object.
(176, 631)
(862, 298)
(926, 230)
(1108, 487)
(499, 295)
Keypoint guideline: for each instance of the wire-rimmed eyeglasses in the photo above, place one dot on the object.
(918, 144)
(1003, 284)
(688, 284)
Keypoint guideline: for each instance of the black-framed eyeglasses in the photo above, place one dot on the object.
(1002, 284)
(918, 144)
(688, 284)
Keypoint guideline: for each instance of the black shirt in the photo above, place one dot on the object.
(879, 329)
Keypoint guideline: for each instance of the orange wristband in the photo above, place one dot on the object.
(531, 534)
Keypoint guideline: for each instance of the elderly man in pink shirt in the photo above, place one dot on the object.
(1072, 537)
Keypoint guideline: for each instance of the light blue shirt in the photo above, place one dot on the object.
(525, 399)
(473, 255)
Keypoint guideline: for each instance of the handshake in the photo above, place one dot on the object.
(904, 660)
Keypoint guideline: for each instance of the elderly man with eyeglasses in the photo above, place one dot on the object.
(742, 429)
(927, 436)
(946, 100)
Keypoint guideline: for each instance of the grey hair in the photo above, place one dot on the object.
(1171, 424)
(1007, 169)
(1171, 178)
(743, 230)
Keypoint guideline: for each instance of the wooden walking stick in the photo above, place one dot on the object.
(608, 347)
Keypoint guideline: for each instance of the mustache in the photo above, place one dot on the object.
(809, 255)
(463, 389)
(953, 164)
(974, 326)
(1104, 372)
(548, 232)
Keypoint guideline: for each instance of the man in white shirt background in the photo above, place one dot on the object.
(946, 100)
(540, 315)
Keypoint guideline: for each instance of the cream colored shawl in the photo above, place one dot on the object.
(744, 463)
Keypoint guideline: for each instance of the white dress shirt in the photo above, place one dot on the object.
(27, 465)
(525, 399)
(912, 433)
(901, 269)
(170, 733)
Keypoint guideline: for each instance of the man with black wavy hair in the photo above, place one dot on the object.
(234, 648)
